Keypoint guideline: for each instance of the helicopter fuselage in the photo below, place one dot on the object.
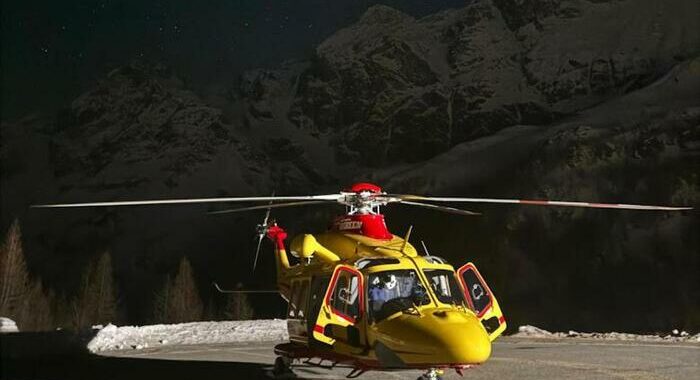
(360, 295)
(377, 303)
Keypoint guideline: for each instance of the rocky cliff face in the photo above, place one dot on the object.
(640, 147)
(138, 116)
(593, 100)
(394, 88)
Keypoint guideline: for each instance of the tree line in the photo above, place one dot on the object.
(35, 307)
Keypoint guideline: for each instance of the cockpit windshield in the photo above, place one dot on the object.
(393, 291)
(444, 285)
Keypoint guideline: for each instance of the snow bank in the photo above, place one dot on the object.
(676, 336)
(7, 325)
(112, 337)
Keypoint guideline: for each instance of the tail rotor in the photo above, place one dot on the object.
(261, 230)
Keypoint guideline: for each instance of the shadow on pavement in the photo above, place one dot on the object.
(99, 367)
(62, 355)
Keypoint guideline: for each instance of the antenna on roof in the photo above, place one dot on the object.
(425, 248)
(405, 239)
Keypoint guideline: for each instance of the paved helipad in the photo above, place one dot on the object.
(512, 358)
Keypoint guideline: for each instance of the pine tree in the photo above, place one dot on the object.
(96, 302)
(161, 304)
(14, 279)
(237, 306)
(178, 300)
(36, 313)
(211, 311)
(62, 309)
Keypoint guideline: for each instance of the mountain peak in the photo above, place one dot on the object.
(382, 14)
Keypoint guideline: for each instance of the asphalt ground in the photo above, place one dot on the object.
(512, 358)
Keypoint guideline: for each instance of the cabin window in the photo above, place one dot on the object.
(444, 286)
(345, 297)
(474, 285)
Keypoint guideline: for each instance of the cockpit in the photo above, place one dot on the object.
(394, 290)
(385, 292)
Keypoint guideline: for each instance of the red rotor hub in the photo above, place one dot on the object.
(364, 186)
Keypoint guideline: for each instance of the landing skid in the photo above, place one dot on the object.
(288, 353)
(291, 352)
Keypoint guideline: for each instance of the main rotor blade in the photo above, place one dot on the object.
(451, 210)
(275, 205)
(541, 203)
(325, 197)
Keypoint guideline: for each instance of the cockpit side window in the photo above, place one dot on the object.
(444, 285)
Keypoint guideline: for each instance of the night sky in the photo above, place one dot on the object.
(53, 50)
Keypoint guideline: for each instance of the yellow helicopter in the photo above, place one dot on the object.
(361, 296)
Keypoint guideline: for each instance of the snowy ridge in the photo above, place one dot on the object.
(112, 337)
(675, 336)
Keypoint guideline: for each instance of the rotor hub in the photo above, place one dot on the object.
(364, 199)
(363, 215)
(364, 187)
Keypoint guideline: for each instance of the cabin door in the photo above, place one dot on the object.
(341, 312)
(481, 300)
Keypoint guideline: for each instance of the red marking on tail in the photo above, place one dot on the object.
(277, 234)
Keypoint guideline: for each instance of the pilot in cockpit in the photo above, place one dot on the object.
(382, 289)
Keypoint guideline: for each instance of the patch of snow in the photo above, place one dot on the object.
(532, 331)
(528, 331)
(7, 325)
(112, 337)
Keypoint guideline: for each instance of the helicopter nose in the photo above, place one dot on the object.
(437, 336)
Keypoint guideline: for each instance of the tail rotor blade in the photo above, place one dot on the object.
(262, 230)
(267, 214)
(257, 251)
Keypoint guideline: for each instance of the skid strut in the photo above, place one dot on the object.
(432, 374)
